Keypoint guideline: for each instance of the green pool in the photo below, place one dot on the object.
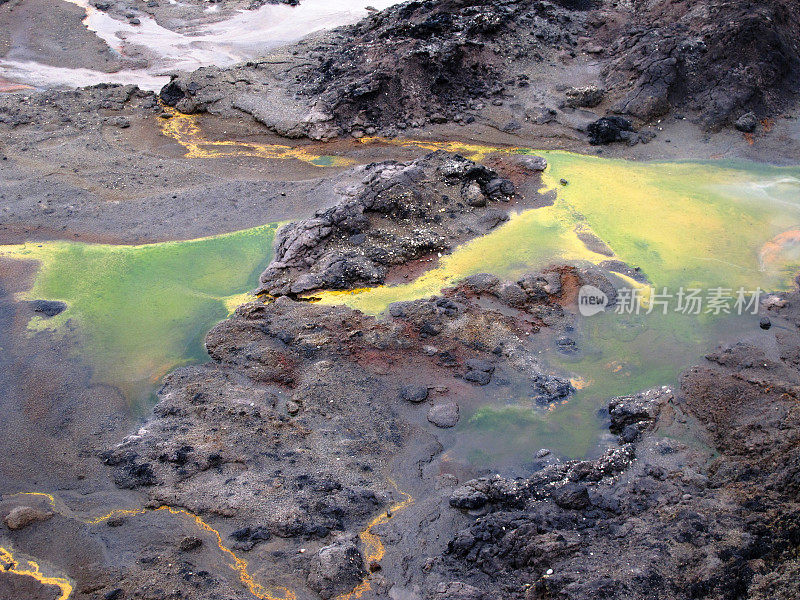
(143, 310)
(730, 225)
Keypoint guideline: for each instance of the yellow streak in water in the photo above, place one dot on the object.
(235, 301)
(554, 240)
(185, 130)
(476, 152)
(373, 548)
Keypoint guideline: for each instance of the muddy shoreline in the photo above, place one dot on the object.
(120, 190)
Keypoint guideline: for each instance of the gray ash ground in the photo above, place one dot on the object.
(289, 439)
(81, 165)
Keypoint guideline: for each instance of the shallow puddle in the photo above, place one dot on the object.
(141, 311)
(687, 226)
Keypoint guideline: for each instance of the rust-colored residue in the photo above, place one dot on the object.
(771, 252)
(10, 86)
(570, 285)
(411, 269)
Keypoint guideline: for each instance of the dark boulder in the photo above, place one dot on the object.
(468, 498)
(172, 93)
(548, 389)
(571, 495)
(190, 543)
(478, 377)
(414, 393)
(444, 415)
(747, 123)
(477, 364)
(608, 130)
(336, 569)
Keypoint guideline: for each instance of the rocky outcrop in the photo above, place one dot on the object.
(408, 65)
(89, 107)
(400, 212)
(720, 58)
(697, 496)
(285, 435)
(610, 129)
(444, 414)
(336, 569)
(432, 62)
(21, 516)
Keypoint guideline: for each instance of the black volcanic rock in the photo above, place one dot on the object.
(171, 93)
(609, 129)
(432, 61)
(400, 212)
(414, 393)
(718, 57)
(715, 519)
(48, 308)
(336, 569)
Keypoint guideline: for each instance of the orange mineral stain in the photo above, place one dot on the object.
(237, 563)
(374, 550)
(7, 86)
(772, 252)
(580, 383)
